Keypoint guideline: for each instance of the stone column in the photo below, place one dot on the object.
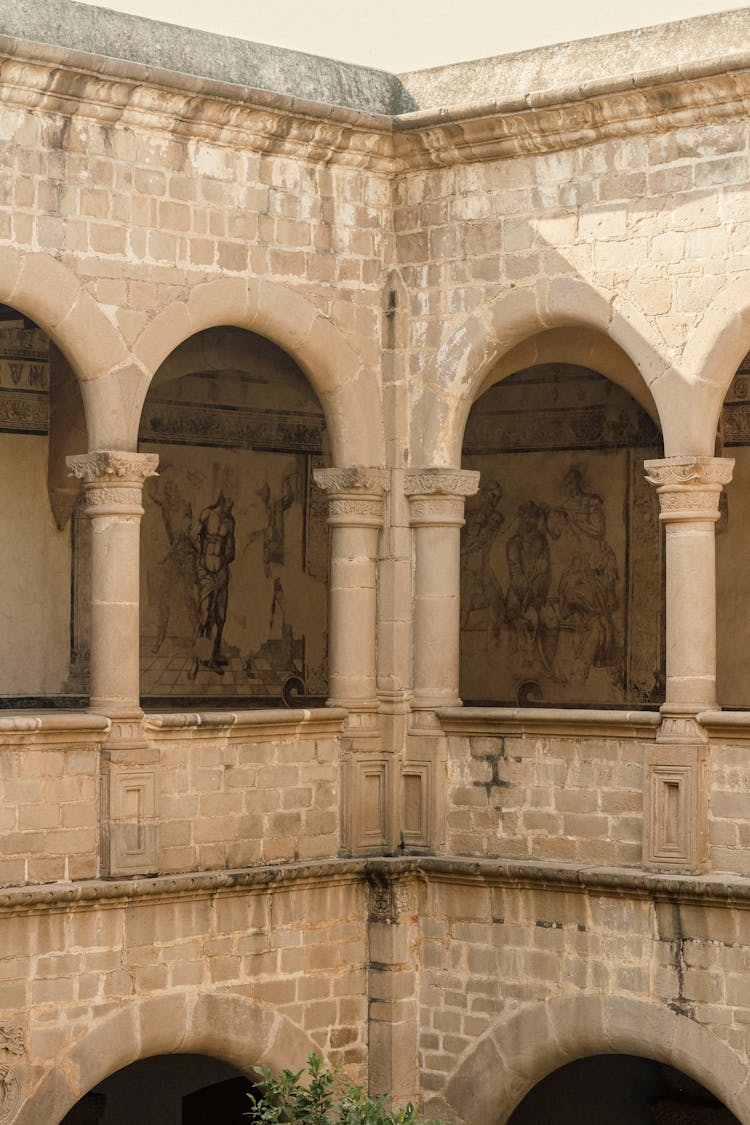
(112, 490)
(436, 498)
(355, 516)
(689, 489)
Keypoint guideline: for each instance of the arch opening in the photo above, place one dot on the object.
(42, 419)
(182, 1089)
(621, 1090)
(562, 582)
(733, 546)
(234, 540)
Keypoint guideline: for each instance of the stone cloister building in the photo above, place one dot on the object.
(328, 400)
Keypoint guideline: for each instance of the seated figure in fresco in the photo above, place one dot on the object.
(480, 589)
(587, 590)
(530, 612)
(214, 535)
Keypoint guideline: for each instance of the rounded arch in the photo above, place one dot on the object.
(51, 295)
(231, 1028)
(523, 1048)
(466, 360)
(721, 339)
(348, 391)
(579, 347)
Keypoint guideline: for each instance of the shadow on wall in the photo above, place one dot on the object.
(620, 1090)
(166, 1090)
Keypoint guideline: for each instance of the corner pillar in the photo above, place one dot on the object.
(112, 492)
(436, 500)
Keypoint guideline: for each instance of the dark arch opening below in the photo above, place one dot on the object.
(166, 1090)
(620, 1090)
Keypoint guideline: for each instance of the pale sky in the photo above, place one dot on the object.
(399, 35)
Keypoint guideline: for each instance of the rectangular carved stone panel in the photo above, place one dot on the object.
(368, 799)
(417, 803)
(675, 799)
(131, 828)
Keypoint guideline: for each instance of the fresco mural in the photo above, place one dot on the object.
(234, 546)
(561, 560)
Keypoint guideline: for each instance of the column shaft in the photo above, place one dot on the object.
(355, 516)
(113, 485)
(437, 498)
(689, 489)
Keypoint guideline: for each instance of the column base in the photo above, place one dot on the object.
(679, 723)
(126, 727)
(424, 718)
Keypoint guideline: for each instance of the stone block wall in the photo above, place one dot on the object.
(49, 798)
(242, 796)
(577, 799)
(515, 975)
(277, 966)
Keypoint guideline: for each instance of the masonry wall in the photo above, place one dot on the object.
(277, 971)
(525, 954)
(404, 278)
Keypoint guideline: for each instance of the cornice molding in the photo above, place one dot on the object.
(720, 890)
(115, 92)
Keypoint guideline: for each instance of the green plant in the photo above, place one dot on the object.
(326, 1098)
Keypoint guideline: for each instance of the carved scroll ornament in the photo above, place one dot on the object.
(689, 487)
(442, 482)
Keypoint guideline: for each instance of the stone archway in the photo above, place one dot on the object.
(348, 390)
(465, 360)
(235, 1030)
(621, 1090)
(238, 612)
(521, 1049)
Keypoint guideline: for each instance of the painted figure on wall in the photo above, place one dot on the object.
(540, 591)
(215, 539)
(272, 532)
(588, 584)
(480, 589)
(178, 575)
(530, 613)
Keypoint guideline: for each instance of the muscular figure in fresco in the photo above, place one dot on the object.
(215, 538)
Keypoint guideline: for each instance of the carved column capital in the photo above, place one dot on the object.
(689, 487)
(437, 496)
(113, 480)
(355, 495)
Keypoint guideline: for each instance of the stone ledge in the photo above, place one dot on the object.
(568, 721)
(241, 724)
(715, 890)
(722, 725)
(63, 730)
